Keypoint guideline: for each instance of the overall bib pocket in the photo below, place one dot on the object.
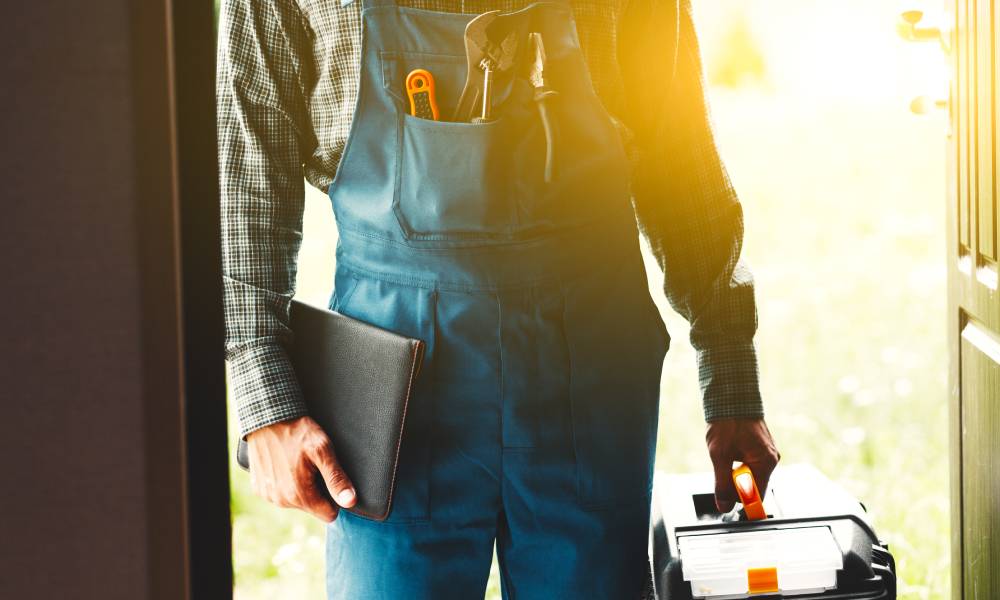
(454, 180)
(460, 180)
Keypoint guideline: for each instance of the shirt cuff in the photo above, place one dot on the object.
(730, 382)
(264, 387)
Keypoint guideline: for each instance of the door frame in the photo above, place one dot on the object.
(193, 37)
(186, 417)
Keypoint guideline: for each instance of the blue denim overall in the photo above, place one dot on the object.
(533, 423)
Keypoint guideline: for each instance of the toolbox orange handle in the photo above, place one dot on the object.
(746, 487)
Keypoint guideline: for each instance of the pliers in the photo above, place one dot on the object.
(543, 97)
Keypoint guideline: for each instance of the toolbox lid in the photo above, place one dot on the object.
(740, 564)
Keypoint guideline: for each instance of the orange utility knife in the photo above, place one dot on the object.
(420, 91)
(746, 487)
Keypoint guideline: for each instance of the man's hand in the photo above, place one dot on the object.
(292, 465)
(744, 440)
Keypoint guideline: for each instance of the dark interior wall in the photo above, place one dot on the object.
(90, 353)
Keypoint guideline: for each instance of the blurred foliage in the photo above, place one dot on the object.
(843, 192)
(739, 60)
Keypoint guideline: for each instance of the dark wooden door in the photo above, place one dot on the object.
(974, 302)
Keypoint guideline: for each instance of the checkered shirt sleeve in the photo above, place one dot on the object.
(262, 137)
(686, 204)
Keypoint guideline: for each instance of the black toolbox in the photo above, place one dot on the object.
(817, 542)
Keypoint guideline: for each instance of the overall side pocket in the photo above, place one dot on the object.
(344, 285)
(616, 355)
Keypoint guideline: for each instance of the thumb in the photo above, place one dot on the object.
(725, 493)
(336, 480)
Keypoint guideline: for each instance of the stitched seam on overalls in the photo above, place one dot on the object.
(485, 289)
(500, 386)
(569, 391)
(451, 245)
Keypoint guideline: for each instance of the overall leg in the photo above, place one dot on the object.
(549, 548)
(576, 487)
(367, 560)
(438, 540)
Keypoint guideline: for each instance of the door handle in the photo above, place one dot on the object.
(922, 105)
(913, 26)
(910, 29)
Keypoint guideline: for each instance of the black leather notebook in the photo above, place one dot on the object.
(357, 380)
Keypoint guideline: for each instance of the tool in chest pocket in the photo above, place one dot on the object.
(492, 44)
(420, 91)
(543, 97)
(499, 52)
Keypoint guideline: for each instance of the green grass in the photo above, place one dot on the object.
(843, 192)
(849, 263)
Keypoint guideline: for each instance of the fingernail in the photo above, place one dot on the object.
(345, 497)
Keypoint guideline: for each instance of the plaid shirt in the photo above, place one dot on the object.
(288, 75)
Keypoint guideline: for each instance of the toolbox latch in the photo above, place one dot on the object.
(762, 580)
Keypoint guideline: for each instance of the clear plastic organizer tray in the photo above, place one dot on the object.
(741, 564)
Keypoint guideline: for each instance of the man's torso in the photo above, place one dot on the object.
(332, 77)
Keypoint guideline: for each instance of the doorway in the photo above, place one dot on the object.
(842, 187)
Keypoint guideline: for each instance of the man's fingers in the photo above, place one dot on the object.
(725, 492)
(337, 483)
(316, 503)
(285, 458)
(746, 440)
(762, 467)
(762, 457)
